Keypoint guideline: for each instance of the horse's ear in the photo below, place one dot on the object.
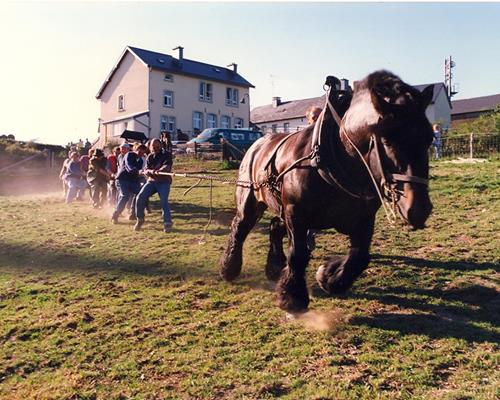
(383, 106)
(426, 96)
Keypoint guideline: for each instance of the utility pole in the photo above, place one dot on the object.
(451, 89)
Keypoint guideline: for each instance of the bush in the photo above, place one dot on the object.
(487, 123)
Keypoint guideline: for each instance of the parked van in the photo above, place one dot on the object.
(241, 138)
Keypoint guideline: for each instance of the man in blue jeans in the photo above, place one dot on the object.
(158, 160)
(74, 178)
(127, 178)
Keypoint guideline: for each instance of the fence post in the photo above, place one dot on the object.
(471, 146)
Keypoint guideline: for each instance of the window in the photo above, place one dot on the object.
(167, 123)
(197, 120)
(232, 97)
(168, 98)
(225, 121)
(121, 102)
(168, 78)
(118, 128)
(254, 135)
(274, 128)
(205, 91)
(286, 127)
(264, 129)
(238, 122)
(237, 136)
(211, 121)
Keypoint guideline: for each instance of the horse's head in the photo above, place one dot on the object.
(397, 134)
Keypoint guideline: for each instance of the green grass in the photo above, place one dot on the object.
(89, 310)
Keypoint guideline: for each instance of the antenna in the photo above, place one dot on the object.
(451, 89)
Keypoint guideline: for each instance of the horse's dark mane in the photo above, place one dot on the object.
(388, 85)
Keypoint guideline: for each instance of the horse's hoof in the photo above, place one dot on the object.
(230, 264)
(291, 317)
(328, 276)
(320, 276)
(229, 271)
(338, 275)
(229, 274)
(293, 305)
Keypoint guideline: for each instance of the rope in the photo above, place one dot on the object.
(250, 184)
(20, 162)
(210, 178)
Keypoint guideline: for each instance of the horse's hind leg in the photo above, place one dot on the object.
(276, 259)
(292, 289)
(247, 214)
(339, 273)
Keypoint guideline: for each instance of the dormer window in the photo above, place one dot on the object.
(121, 102)
(168, 78)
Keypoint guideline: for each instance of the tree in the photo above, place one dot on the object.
(486, 123)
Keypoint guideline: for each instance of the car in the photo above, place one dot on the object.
(211, 138)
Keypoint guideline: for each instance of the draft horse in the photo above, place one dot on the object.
(335, 174)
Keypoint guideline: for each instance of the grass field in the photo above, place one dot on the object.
(89, 310)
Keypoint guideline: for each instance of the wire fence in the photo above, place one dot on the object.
(472, 145)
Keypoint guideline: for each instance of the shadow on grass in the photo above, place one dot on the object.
(437, 313)
(453, 311)
(458, 265)
(31, 259)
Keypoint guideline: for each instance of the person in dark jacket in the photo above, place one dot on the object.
(127, 178)
(97, 177)
(158, 161)
(112, 168)
(74, 176)
(166, 141)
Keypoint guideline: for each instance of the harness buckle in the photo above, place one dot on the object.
(315, 159)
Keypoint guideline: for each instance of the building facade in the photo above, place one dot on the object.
(151, 92)
(290, 116)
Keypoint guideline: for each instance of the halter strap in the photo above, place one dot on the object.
(409, 178)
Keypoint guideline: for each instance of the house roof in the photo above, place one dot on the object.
(438, 87)
(167, 63)
(126, 116)
(475, 104)
(297, 108)
(285, 110)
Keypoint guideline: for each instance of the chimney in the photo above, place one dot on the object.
(235, 67)
(276, 101)
(181, 54)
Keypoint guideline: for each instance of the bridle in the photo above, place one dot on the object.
(386, 190)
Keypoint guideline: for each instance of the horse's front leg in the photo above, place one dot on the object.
(247, 214)
(339, 273)
(292, 289)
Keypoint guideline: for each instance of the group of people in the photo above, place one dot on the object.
(128, 176)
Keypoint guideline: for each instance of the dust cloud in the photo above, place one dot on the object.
(36, 184)
(322, 321)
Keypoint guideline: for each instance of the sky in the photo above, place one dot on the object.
(56, 55)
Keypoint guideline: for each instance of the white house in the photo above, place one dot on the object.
(289, 116)
(150, 92)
